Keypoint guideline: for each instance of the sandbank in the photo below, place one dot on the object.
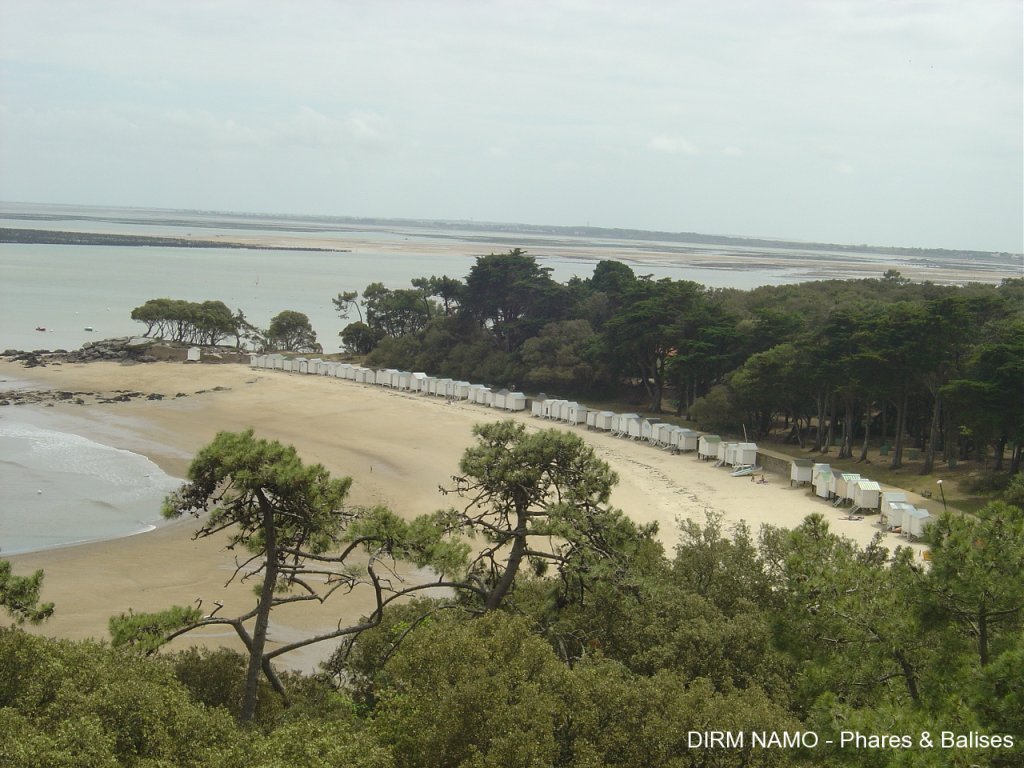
(398, 448)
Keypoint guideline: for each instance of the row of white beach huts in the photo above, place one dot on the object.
(841, 488)
(865, 495)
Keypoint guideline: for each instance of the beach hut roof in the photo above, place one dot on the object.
(803, 462)
(868, 485)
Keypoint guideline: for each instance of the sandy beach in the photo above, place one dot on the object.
(397, 447)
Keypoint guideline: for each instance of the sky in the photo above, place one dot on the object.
(843, 121)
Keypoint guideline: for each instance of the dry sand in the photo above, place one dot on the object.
(397, 447)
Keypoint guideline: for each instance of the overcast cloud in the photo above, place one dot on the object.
(858, 122)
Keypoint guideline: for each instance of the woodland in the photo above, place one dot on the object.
(565, 635)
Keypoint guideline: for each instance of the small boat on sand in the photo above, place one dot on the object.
(744, 471)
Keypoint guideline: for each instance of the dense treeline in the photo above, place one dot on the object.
(833, 363)
(611, 661)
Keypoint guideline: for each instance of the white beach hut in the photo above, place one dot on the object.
(461, 390)
(301, 365)
(416, 381)
(800, 471)
(822, 480)
(254, 360)
(445, 387)
(634, 425)
(866, 494)
(647, 428)
(663, 433)
(515, 401)
(844, 483)
(592, 419)
(365, 375)
(404, 380)
(895, 515)
(550, 408)
(887, 499)
(313, 366)
(622, 421)
(744, 455)
(194, 354)
(914, 522)
(288, 365)
(473, 392)
(725, 450)
(275, 361)
(686, 440)
(603, 420)
(500, 398)
(707, 447)
(577, 413)
(537, 405)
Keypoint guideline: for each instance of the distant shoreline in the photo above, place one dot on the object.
(55, 237)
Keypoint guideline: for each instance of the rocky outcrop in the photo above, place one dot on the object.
(127, 349)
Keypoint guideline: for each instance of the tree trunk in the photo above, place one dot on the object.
(846, 450)
(901, 416)
(933, 436)
(515, 558)
(259, 633)
(867, 432)
(820, 433)
(983, 636)
(831, 423)
(908, 676)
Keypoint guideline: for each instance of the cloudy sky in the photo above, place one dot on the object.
(840, 120)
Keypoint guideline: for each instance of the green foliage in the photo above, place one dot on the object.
(512, 296)
(146, 632)
(977, 574)
(292, 331)
(539, 499)
(73, 704)
(207, 322)
(472, 693)
(358, 338)
(558, 357)
(19, 596)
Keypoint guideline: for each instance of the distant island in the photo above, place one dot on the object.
(53, 237)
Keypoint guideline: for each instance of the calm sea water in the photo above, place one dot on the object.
(62, 488)
(66, 288)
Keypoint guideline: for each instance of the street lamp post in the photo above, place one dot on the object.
(943, 494)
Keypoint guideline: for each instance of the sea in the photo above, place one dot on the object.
(62, 484)
(61, 487)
